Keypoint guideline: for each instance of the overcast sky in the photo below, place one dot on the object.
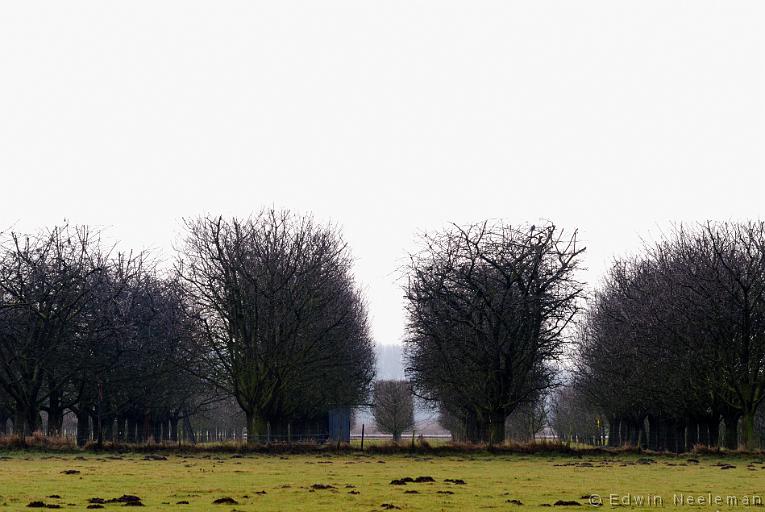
(386, 117)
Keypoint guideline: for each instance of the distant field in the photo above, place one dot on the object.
(362, 481)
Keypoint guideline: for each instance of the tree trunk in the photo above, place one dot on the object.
(107, 424)
(653, 433)
(472, 428)
(55, 410)
(496, 428)
(711, 431)
(83, 426)
(18, 420)
(749, 439)
(55, 422)
(622, 432)
(55, 417)
(256, 428)
(132, 429)
(174, 429)
(188, 428)
(731, 431)
(157, 431)
(692, 437)
(670, 438)
(678, 426)
(613, 431)
(24, 420)
(31, 420)
(119, 432)
(634, 433)
(98, 427)
(146, 431)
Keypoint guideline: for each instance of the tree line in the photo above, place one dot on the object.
(501, 333)
(91, 331)
(263, 310)
(673, 343)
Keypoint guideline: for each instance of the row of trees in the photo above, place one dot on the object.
(674, 340)
(263, 310)
(91, 331)
(668, 349)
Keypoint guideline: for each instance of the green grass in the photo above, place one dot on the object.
(491, 480)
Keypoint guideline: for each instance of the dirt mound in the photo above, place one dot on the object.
(225, 501)
(125, 498)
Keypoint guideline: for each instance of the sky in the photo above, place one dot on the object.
(388, 118)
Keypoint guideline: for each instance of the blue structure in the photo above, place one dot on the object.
(339, 426)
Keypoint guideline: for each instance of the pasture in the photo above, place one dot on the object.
(363, 481)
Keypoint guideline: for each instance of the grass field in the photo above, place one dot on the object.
(360, 481)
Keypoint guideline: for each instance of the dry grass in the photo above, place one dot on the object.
(37, 441)
(40, 442)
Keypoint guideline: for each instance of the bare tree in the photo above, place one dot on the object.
(46, 282)
(284, 327)
(141, 382)
(573, 419)
(393, 407)
(675, 339)
(723, 271)
(527, 420)
(488, 307)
